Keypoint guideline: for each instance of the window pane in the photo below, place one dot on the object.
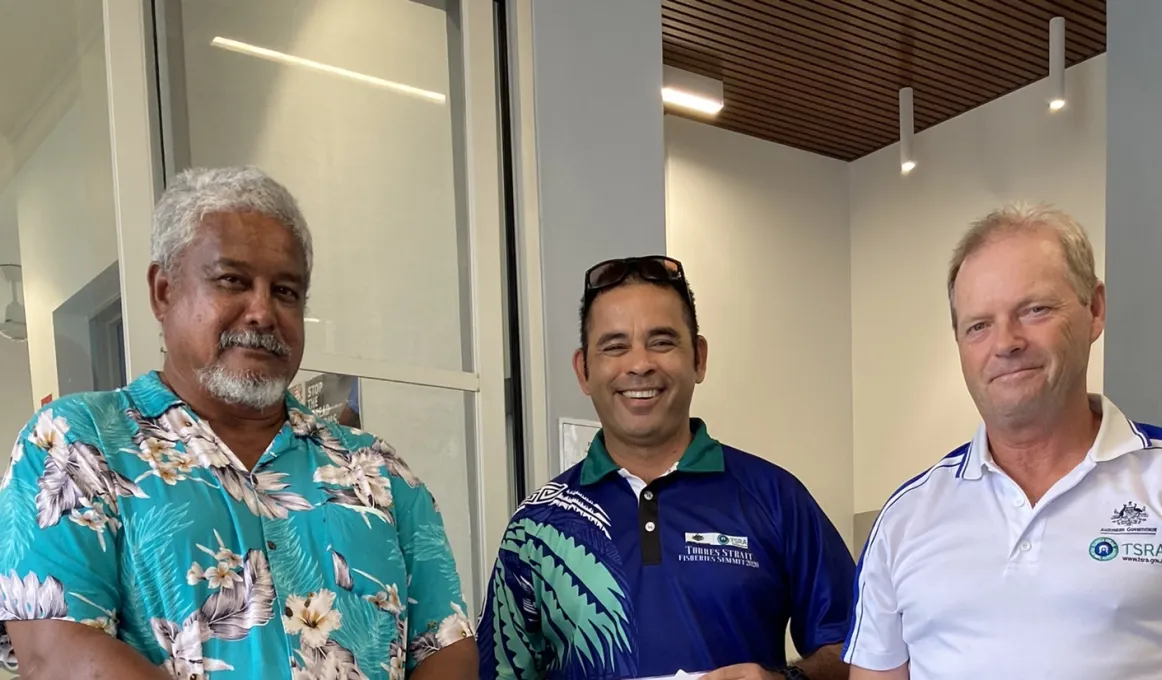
(353, 105)
(430, 428)
(59, 283)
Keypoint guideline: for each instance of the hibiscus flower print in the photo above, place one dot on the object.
(93, 518)
(394, 463)
(312, 618)
(195, 574)
(222, 576)
(305, 424)
(154, 450)
(330, 661)
(107, 622)
(77, 476)
(454, 628)
(387, 600)
(49, 433)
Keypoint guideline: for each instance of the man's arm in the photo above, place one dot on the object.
(825, 664)
(62, 545)
(900, 673)
(822, 575)
(63, 649)
(437, 616)
(457, 661)
(508, 638)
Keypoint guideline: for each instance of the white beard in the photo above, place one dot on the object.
(243, 389)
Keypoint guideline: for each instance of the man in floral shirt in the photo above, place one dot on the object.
(203, 523)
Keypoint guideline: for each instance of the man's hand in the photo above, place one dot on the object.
(63, 649)
(743, 671)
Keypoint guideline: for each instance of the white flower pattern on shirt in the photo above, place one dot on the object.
(130, 464)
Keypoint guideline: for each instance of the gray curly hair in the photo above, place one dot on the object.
(198, 192)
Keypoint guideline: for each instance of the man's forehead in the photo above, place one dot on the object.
(636, 300)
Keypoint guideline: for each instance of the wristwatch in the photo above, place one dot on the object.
(794, 673)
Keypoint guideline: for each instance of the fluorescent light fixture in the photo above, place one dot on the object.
(1056, 63)
(691, 91)
(291, 60)
(907, 128)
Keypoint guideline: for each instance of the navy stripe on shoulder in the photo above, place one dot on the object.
(1149, 432)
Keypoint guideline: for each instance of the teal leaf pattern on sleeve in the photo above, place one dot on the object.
(428, 543)
(507, 629)
(582, 601)
(150, 535)
(295, 570)
(17, 522)
(366, 631)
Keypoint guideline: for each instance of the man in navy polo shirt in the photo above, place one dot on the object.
(664, 550)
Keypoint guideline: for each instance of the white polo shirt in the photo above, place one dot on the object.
(963, 579)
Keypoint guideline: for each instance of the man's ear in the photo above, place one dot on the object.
(581, 370)
(160, 291)
(703, 357)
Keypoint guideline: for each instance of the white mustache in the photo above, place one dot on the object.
(251, 339)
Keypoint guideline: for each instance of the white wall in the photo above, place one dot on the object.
(910, 405)
(762, 231)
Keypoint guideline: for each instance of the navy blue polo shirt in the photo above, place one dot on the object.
(703, 569)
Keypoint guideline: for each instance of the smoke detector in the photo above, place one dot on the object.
(14, 326)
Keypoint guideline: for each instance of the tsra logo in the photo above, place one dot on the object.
(1103, 549)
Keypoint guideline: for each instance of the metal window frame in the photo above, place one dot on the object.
(139, 172)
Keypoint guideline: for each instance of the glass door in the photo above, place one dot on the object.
(380, 116)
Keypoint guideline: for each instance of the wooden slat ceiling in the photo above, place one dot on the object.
(825, 75)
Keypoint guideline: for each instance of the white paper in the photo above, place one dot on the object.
(576, 436)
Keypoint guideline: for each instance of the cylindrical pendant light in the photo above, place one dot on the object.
(907, 159)
(1056, 63)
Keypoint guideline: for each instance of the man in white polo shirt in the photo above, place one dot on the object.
(1034, 550)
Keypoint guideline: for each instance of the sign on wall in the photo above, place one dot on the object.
(332, 396)
(576, 435)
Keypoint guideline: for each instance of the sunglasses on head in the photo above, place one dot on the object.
(657, 268)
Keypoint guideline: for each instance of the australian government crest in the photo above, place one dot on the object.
(1131, 518)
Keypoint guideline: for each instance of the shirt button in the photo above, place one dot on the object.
(1018, 501)
(1025, 546)
(650, 526)
(649, 495)
(270, 545)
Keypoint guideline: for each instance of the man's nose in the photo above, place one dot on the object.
(641, 360)
(1008, 339)
(259, 309)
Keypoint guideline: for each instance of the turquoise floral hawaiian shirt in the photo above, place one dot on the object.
(329, 560)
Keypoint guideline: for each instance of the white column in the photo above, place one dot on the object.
(596, 77)
(1133, 355)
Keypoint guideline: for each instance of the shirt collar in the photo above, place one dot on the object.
(152, 397)
(703, 455)
(1116, 436)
